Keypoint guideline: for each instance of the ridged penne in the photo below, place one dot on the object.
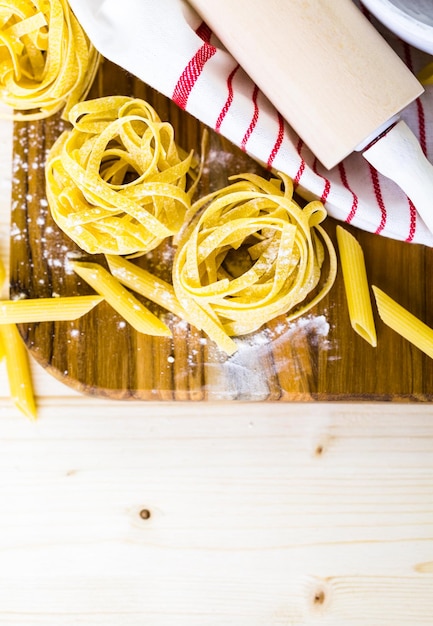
(2, 273)
(148, 285)
(18, 369)
(356, 286)
(2, 349)
(33, 310)
(13, 350)
(403, 322)
(127, 305)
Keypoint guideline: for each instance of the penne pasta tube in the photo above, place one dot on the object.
(13, 349)
(162, 293)
(2, 273)
(18, 369)
(356, 286)
(2, 349)
(404, 323)
(117, 296)
(148, 285)
(46, 309)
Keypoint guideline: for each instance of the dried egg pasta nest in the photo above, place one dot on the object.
(250, 254)
(47, 63)
(116, 183)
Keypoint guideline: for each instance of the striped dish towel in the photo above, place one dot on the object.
(167, 46)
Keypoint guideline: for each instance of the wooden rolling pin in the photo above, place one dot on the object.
(333, 78)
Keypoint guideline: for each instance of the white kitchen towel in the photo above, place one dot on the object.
(166, 45)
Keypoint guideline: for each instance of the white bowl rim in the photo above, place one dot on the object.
(403, 23)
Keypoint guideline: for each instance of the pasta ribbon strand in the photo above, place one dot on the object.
(47, 63)
(251, 253)
(117, 182)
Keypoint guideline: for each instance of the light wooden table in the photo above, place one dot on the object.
(125, 514)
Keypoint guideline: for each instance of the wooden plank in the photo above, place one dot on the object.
(259, 514)
(317, 357)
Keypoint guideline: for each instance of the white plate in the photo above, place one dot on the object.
(412, 20)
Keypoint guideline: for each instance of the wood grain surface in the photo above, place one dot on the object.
(318, 357)
(240, 514)
(311, 514)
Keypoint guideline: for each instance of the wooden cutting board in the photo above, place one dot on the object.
(318, 357)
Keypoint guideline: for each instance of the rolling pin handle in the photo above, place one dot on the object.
(398, 156)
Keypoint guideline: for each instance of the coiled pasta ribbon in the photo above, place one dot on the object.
(250, 254)
(46, 61)
(116, 182)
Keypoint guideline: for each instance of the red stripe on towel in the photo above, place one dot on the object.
(421, 126)
(278, 142)
(412, 223)
(301, 168)
(204, 32)
(192, 71)
(355, 201)
(229, 100)
(379, 199)
(327, 187)
(253, 120)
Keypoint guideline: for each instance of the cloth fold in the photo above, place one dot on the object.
(166, 45)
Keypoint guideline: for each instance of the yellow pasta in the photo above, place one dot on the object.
(47, 62)
(148, 285)
(12, 349)
(2, 273)
(356, 286)
(404, 323)
(250, 254)
(18, 370)
(131, 309)
(425, 76)
(2, 349)
(116, 183)
(33, 310)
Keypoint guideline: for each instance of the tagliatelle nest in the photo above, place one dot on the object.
(47, 62)
(250, 254)
(116, 183)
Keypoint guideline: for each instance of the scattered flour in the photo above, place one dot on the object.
(246, 374)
